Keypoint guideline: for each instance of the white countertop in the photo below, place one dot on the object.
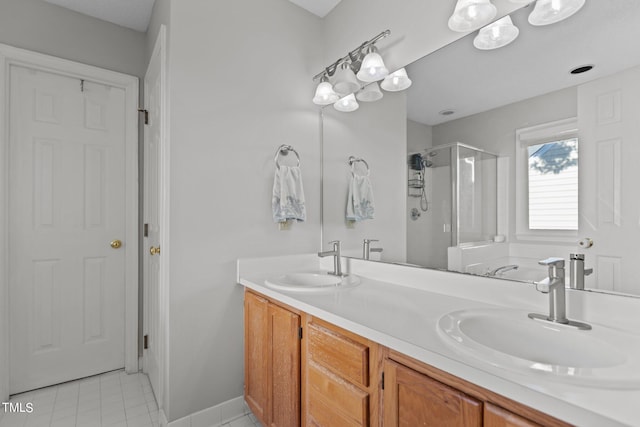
(399, 307)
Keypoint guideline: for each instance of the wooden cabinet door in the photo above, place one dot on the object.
(256, 355)
(412, 399)
(495, 416)
(284, 360)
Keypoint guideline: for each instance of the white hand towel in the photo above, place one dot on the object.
(360, 204)
(288, 196)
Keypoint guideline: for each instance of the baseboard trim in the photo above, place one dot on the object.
(213, 416)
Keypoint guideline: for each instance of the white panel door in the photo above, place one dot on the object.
(609, 149)
(66, 205)
(152, 143)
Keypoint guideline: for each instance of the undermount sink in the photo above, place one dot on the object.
(601, 357)
(311, 282)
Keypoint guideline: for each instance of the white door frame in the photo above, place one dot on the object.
(162, 395)
(9, 56)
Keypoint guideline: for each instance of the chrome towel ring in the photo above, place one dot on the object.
(353, 160)
(284, 150)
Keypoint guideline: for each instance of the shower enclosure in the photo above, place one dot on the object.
(462, 182)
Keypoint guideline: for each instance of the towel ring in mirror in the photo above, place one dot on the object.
(352, 162)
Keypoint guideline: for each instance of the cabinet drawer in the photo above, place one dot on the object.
(342, 355)
(333, 401)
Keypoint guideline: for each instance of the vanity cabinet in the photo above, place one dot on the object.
(495, 416)
(416, 394)
(414, 399)
(341, 374)
(300, 370)
(272, 361)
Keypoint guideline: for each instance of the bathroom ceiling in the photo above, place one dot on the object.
(462, 78)
(134, 14)
(318, 7)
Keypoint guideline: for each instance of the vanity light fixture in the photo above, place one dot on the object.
(372, 68)
(548, 12)
(496, 35)
(345, 81)
(325, 94)
(469, 15)
(370, 93)
(347, 104)
(363, 64)
(396, 81)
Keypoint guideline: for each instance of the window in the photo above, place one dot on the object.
(553, 185)
(547, 181)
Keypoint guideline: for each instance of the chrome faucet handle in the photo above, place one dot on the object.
(371, 240)
(558, 262)
(543, 286)
(556, 267)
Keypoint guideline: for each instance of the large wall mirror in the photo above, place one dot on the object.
(495, 159)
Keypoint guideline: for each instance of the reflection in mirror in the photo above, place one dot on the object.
(563, 175)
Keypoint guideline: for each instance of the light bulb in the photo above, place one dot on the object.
(347, 104)
(325, 94)
(548, 12)
(370, 93)
(397, 81)
(496, 35)
(469, 15)
(345, 80)
(372, 68)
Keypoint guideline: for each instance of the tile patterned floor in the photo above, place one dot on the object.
(244, 421)
(114, 399)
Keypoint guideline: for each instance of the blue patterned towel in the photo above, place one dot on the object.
(360, 204)
(288, 196)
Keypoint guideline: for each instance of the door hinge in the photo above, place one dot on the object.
(300, 332)
(383, 380)
(145, 342)
(146, 115)
(145, 231)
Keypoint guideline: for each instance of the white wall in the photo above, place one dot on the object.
(494, 130)
(46, 28)
(239, 87)
(375, 132)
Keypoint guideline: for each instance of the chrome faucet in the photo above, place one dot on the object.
(367, 249)
(502, 269)
(337, 264)
(554, 286)
(577, 271)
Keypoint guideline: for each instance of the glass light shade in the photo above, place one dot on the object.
(370, 93)
(347, 104)
(469, 15)
(325, 94)
(548, 12)
(372, 68)
(496, 35)
(396, 81)
(345, 80)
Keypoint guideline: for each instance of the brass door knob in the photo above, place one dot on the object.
(115, 244)
(154, 251)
